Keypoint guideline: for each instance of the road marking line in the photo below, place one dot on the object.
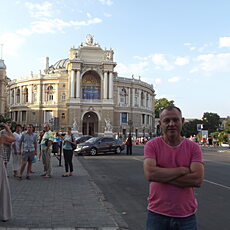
(223, 186)
(217, 162)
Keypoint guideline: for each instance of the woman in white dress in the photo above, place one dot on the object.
(5, 198)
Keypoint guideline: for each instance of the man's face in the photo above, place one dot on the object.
(171, 123)
(18, 129)
(46, 128)
(29, 128)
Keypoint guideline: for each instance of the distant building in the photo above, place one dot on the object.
(84, 91)
(3, 84)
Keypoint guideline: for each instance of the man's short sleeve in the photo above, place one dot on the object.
(196, 153)
(22, 137)
(150, 149)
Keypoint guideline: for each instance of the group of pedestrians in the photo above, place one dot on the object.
(23, 147)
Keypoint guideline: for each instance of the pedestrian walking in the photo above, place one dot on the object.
(46, 148)
(129, 145)
(5, 197)
(28, 147)
(174, 166)
(6, 146)
(16, 153)
(68, 147)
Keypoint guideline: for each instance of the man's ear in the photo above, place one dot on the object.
(182, 120)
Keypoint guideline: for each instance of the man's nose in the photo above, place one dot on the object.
(171, 123)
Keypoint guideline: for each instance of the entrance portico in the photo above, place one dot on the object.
(90, 124)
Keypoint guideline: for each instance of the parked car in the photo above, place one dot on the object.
(82, 139)
(96, 145)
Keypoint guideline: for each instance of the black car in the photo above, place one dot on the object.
(82, 139)
(97, 145)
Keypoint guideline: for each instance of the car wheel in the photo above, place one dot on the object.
(118, 150)
(93, 152)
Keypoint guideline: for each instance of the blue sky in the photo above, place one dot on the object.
(181, 47)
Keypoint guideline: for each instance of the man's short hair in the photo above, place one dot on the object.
(46, 124)
(169, 108)
(18, 125)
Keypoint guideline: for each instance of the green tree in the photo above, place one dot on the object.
(160, 104)
(211, 122)
(4, 119)
(227, 125)
(190, 128)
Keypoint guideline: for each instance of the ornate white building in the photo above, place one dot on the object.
(84, 90)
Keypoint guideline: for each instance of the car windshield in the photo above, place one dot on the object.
(92, 140)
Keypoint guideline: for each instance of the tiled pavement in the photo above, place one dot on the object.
(71, 203)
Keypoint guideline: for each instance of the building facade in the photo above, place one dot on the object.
(83, 91)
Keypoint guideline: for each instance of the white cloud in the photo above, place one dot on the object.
(55, 25)
(88, 15)
(11, 43)
(140, 58)
(224, 42)
(157, 81)
(181, 61)
(160, 61)
(106, 2)
(40, 10)
(187, 44)
(174, 79)
(107, 15)
(130, 69)
(213, 62)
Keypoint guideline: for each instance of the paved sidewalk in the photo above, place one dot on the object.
(60, 202)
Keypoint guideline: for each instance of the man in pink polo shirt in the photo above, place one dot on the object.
(174, 166)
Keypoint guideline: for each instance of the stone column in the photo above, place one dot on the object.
(15, 95)
(21, 95)
(72, 80)
(39, 93)
(10, 94)
(133, 97)
(30, 94)
(56, 93)
(78, 84)
(69, 84)
(139, 91)
(105, 85)
(129, 98)
(44, 93)
(111, 85)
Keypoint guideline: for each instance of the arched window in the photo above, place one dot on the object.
(50, 93)
(147, 100)
(25, 94)
(136, 97)
(63, 96)
(142, 98)
(18, 96)
(12, 96)
(91, 86)
(34, 93)
(123, 96)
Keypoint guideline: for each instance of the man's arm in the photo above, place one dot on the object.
(164, 175)
(35, 144)
(192, 179)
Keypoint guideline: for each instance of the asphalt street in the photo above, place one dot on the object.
(121, 180)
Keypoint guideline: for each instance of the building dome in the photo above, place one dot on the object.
(2, 64)
(61, 64)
